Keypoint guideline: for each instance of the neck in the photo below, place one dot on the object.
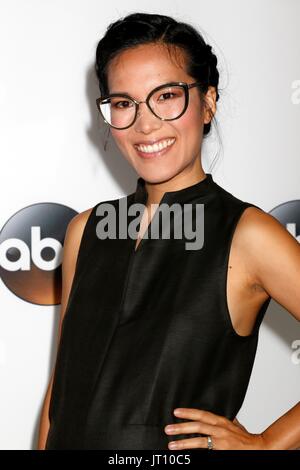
(180, 181)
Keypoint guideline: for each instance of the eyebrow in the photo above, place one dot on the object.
(119, 92)
(127, 93)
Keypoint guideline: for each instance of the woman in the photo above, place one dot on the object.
(151, 325)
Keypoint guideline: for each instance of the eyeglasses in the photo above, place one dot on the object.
(167, 102)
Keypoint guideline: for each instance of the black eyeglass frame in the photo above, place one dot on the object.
(184, 85)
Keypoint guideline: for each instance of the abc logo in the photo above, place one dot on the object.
(288, 215)
(31, 244)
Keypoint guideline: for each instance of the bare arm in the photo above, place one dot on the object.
(72, 241)
(274, 255)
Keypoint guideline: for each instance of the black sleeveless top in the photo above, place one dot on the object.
(148, 331)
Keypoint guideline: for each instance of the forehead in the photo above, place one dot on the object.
(142, 68)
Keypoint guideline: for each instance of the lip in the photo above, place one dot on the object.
(155, 154)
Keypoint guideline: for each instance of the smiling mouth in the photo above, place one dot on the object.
(157, 147)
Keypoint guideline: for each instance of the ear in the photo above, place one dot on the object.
(210, 104)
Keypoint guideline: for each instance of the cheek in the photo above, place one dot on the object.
(190, 124)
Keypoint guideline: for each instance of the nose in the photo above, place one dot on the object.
(146, 121)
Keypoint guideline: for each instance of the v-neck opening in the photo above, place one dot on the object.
(184, 195)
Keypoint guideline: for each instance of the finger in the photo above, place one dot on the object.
(201, 415)
(190, 427)
(191, 443)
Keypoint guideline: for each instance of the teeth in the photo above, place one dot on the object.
(156, 147)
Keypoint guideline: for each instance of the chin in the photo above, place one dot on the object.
(158, 175)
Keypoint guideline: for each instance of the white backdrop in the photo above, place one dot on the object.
(51, 149)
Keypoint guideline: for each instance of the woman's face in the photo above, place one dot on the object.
(136, 72)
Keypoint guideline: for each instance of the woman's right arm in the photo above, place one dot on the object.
(72, 241)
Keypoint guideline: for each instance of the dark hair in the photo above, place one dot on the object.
(144, 28)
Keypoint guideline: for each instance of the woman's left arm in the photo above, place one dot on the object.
(273, 255)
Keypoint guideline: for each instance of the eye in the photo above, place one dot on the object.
(121, 104)
(167, 94)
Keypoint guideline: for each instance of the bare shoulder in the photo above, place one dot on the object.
(72, 241)
(77, 223)
(261, 237)
(272, 256)
(73, 238)
(257, 228)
